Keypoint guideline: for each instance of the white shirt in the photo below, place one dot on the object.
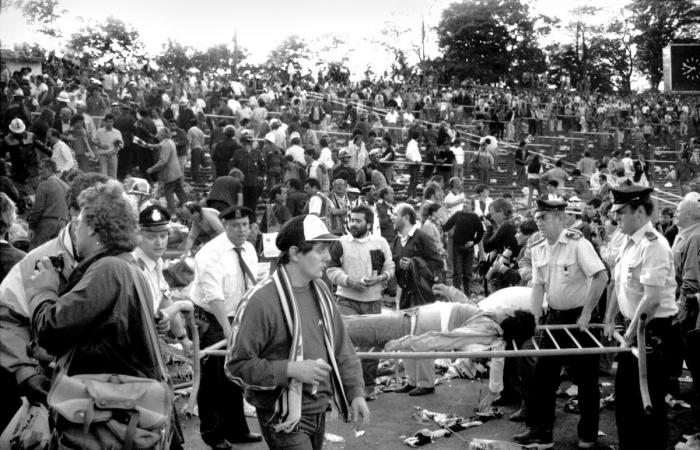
(413, 152)
(564, 269)
(628, 164)
(645, 259)
(218, 274)
(504, 302)
(477, 206)
(451, 198)
(63, 156)
(297, 153)
(326, 158)
(459, 154)
(404, 237)
(153, 270)
(391, 117)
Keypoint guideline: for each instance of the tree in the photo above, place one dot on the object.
(109, 44)
(405, 46)
(290, 56)
(218, 56)
(175, 56)
(42, 14)
(623, 49)
(658, 23)
(490, 40)
(599, 58)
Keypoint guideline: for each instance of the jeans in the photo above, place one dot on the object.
(484, 175)
(414, 171)
(463, 260)
(307, 435)
(108, 165)
(171, 189)
(376, 330)
(195, 163)
(349, 307)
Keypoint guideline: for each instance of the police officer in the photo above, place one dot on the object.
(225, 269)
(644, 284)
(152, 243)
(567, 268)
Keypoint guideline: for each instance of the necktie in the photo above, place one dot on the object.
(244, 267)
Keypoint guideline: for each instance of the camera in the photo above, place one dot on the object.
(501, 264)
(56, 261)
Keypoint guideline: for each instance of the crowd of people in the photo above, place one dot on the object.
(307, 177)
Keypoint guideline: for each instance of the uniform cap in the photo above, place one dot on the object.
(344, 153)
(154, 218)
(304, 228)
(237, 212)
(628, 193)
(550, 205)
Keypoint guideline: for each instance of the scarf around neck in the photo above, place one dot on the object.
(287, 412)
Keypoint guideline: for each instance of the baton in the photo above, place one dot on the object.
(642, 364)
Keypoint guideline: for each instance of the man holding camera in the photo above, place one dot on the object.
(567, 268)
(360, 263)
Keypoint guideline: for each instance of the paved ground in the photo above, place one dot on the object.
(392, 421)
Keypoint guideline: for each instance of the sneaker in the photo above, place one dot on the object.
(533, 438)
(586, 444)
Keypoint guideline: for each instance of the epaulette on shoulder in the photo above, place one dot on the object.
(537, 242)
(651, 235)
(572, 233)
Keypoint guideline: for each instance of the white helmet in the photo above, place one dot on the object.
(17, 126)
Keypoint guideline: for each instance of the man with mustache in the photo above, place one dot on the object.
(360, 265)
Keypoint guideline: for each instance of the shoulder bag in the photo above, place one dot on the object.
(99, 411)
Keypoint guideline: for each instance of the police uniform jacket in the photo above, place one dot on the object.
(645, 260)
(564, 268)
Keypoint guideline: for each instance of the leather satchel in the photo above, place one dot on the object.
(113, 411)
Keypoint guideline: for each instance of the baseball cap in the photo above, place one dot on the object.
(304, 228)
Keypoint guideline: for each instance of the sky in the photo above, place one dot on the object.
(262, 25)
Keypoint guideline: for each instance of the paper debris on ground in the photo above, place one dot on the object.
(330, 437)
(425, 436)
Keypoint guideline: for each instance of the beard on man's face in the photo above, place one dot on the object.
(358, 231)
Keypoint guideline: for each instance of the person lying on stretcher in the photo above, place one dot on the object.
(457, 324)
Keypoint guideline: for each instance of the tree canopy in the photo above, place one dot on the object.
(490, 40)
(109, 44)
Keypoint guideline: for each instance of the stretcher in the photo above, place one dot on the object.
(560, 349)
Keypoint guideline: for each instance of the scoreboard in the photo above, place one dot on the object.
(682, 68)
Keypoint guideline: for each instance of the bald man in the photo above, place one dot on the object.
(686, 258)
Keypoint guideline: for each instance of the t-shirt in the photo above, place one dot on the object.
(314, 347)
(107, 138)
(459, 154)
(195, 137)
(451, 198)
